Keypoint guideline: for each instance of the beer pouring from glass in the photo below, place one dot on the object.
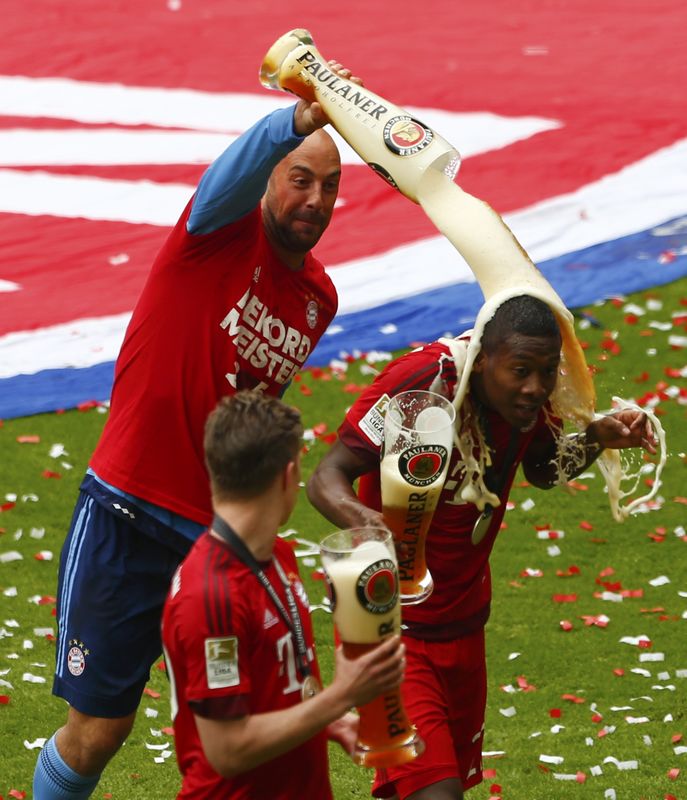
(393, 143)
(418, 439)
(362, 574)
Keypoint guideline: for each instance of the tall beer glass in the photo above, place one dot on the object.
(418, 438)
(362, 574)
(394, 144)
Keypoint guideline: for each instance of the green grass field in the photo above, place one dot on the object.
(572, 714)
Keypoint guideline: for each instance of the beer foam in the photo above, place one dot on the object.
(431, 420)
(355, 623)
(504, 270)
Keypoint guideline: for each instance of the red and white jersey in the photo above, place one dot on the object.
(229, 653)
(219, 312)
(462, 581)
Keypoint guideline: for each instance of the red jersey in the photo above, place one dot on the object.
(229, 653)
(461, 598)
(219, 312)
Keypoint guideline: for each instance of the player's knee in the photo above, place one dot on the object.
(88, 743)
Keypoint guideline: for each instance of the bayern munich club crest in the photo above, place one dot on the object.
(311, 313)
(377, 587)
(406, 136)
(422, 465)
(76, 658)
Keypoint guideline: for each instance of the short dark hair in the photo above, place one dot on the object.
(522, 314)
(250, 437)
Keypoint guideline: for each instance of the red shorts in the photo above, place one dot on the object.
(445, 694)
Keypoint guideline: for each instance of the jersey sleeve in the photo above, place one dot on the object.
(362, 430)
(234, 183)
(213, 638)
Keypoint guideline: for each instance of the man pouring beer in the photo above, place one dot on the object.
(507, 420)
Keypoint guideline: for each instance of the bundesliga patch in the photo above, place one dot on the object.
(372, 424)
(222, 662)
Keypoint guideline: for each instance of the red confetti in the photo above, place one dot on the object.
(27, 439)
(675, 738)
(525, 685)
(600, 621)
(161, 666)
(673, 773)
(631, 319)
(16, 794)
(319, 429)
(643, 378)
(645, 644)
(572, 570)
(48, 473)
(489, 774)
(4, 699)
(151, 693)
(168, 731)
(88, 405)
(580, 777)
(555, 713)
(565, 598)
(619, 672)
(329, 438)
(306, 390)
(566, 625)
(586, 526)
(573, 698)
(7, 506)
(596, 718)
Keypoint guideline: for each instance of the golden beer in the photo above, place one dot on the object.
(363, 580)
(394, 144)
(418, 438)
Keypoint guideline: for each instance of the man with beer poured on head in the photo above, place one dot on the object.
(502, 388)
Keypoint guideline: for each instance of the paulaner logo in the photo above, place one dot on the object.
(339, 88)
(377, 587)
(406, 136)
(421, 465)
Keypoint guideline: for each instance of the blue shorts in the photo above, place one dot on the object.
(114, 575)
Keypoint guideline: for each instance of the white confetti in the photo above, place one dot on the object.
(157, 746)
(513, 656)
(29, 678)
(57, 450)
(9, 556)
(388, 329)
(652, 657)
(647, 740)
(622, 765)
(634, 640)
(527, 505)
(636, 720)
(639, 671)
(37, 533)
(595, 771)
(557, 728)
(610, 794)
(612, 597)
(151, 712)
(508, 712)
(680, 750)
(43, 632)
(560, 776)
(551, 759)
(553, 550)
(44, 555)
(10, 591)
(660, 581)
(34, 744)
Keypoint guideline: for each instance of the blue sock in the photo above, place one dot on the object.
(55, 780)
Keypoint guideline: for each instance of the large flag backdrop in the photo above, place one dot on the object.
(569, 116)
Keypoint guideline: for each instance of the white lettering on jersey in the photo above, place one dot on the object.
(222, 661)
(287, 662)
(265, 341)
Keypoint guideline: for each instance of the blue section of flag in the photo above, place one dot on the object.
(619, 267)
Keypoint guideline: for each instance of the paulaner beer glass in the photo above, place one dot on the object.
(360, 564)
(394, 144)
(418, 438)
